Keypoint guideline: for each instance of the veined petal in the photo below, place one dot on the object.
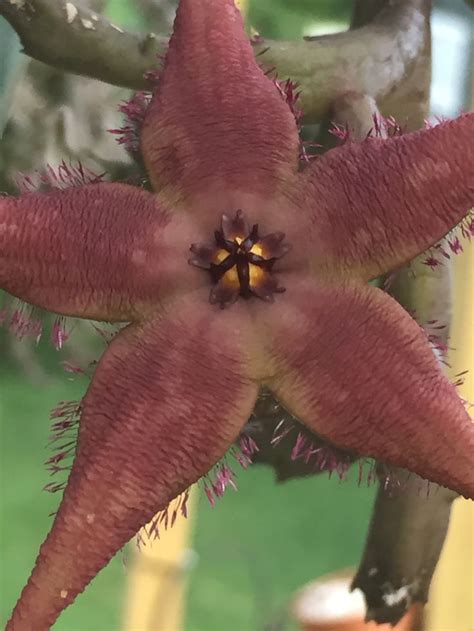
(353, 366)
(96, 251)
(167, 400)
(216, 121)
(375, 205)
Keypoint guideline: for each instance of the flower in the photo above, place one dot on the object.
(175, 387)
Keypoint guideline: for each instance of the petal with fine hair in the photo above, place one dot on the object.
(373, 206)
(167, 400)
(216, 120)
(356, 369)
(96, 251)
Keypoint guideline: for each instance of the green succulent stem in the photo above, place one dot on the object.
(375, 59)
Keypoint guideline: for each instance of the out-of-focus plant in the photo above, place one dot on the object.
(9, 60)
(285, 18)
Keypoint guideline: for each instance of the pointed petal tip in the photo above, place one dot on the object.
(357, 370)
(374, 206)
(215, 115)
(137, 449)
(71, 251)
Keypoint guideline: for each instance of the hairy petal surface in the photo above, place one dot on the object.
(356, 369)
(375, 205)
(168, 398)
(97, 251)
(216, 119)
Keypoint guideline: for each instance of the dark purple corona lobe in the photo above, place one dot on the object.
(240, 262)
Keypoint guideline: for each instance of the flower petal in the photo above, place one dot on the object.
(216, 119)
(375, 205)
(96, 251)
(168, 398)
(357, 370)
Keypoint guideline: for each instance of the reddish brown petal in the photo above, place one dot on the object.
(97, 251)
(356, 369)
(374, 206)
(167, 400)
(216, 120)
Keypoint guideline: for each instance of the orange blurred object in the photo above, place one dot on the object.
(327, 604)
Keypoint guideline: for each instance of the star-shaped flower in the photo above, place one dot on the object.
(287, 254)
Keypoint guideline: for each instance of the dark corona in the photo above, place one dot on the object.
(240, 262)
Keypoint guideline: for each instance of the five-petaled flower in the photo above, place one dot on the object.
(175, 387)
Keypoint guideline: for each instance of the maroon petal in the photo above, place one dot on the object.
(168, 398)
(96, 251)
(375, 205)
(357, 370)
(216, 120)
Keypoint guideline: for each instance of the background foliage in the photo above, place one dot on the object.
(9, 61)
(288, 18)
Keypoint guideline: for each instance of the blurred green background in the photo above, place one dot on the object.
(257, 546)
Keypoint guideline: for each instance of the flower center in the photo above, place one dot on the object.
(240, 262)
